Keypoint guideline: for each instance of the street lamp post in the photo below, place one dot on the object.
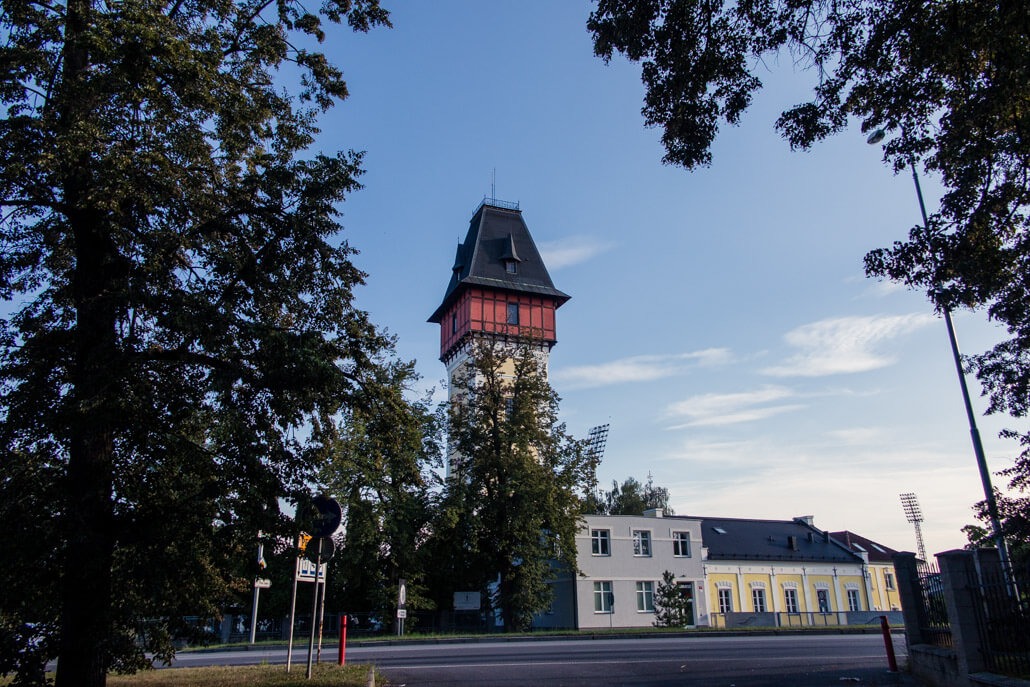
(978, 449)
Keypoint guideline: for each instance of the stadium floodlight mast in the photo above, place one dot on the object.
(978, 449)
(915, 516)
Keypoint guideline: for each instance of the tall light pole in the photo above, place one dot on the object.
(914, 514)
(978, 449)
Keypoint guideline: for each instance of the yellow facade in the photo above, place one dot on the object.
(797, 594)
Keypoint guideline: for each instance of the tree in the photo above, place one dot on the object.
(671, 606)
(383, 467)
(632, 498)
(947, 81)
(515, 497)
(181, 329)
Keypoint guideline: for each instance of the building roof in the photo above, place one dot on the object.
(497, 234)
(770, 540)
(878, 553)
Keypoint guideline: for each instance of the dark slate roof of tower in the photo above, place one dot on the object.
(878, 553)
(498, 234)
(779, 540)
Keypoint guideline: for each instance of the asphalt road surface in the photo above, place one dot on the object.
(755, 661)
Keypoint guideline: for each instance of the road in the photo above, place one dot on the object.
(754, 661)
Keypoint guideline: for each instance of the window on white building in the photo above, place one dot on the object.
(790, 599)
(681, 544)
(641, 543)
(600, 542)
(645, 597)
(603, 597)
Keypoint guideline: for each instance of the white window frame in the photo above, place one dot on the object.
(823, 594)
(603, 597)
(725, 595)
(642, 543)
(681, 540)
(598, 538)
(854, 600)
(888, 579)
(758, 599)
(790, 600)
(645, 597)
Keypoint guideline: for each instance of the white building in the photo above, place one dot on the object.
(621, 560)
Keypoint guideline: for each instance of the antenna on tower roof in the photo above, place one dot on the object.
(493, 184)
(914, 514)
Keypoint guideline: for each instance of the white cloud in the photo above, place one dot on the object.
(571, 251)
(640, 368)
(844, 344)
(708, 410)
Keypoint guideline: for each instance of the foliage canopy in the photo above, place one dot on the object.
(179, 330)
(948, 81)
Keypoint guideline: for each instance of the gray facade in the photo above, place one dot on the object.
(621, 560)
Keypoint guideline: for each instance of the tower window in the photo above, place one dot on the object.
(513, 313)
(511, 267)
(454, 323)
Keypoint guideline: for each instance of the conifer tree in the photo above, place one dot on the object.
(671, 607)
(518, 480)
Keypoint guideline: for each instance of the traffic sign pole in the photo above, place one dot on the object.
(314, 609)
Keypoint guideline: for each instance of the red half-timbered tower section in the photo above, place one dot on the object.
(499, 285)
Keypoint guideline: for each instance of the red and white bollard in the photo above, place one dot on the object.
(343, 638)
(892, 662)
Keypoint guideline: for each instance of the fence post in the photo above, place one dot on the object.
(910, 592)
(958, 575)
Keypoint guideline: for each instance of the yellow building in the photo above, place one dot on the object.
(880, 558)
(782, 573)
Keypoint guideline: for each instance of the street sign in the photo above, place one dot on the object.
(324, 515)
(466, 601)
(402, 613)
(262, 583)
(312, 551)
(306, 571)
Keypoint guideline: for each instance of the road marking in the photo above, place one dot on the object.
(824, 659)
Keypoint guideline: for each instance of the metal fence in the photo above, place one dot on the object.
(934, 624)
(1002, 610)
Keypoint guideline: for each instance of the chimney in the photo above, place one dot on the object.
(807, 519)
(792, 542)
(654, 513)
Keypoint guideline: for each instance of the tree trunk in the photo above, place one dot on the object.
(86, 579)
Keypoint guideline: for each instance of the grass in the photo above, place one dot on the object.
(323, 675)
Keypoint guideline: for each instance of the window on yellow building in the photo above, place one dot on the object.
(790, 598)
(725, 600)
(758, 599)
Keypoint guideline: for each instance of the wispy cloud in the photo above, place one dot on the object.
(640, 368)
(571, 250)
(844, 345)
(709, 410)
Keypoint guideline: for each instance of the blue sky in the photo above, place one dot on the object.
(720, 319)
